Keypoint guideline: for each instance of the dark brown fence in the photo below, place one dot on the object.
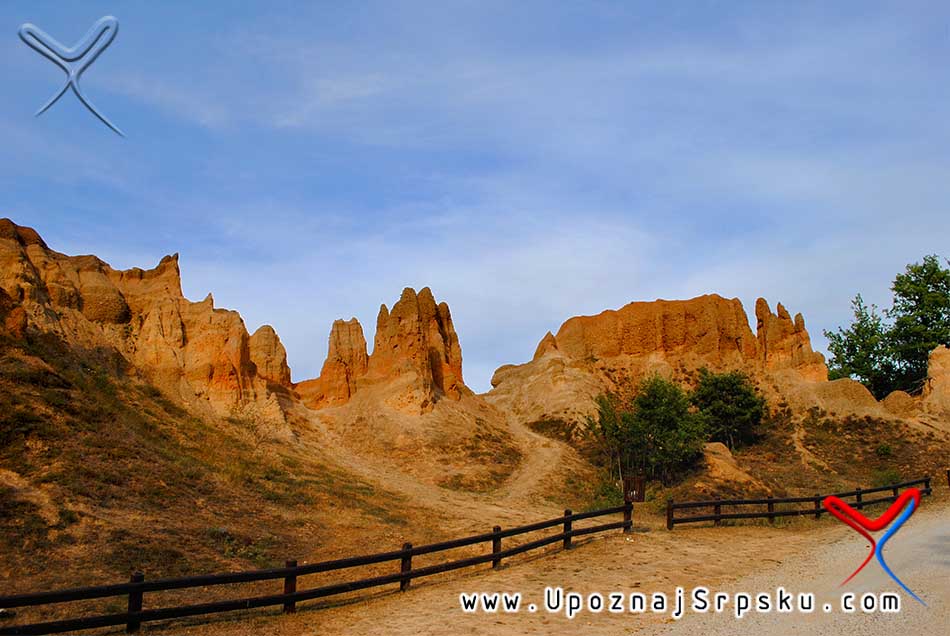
(814, 508)
(136, 588)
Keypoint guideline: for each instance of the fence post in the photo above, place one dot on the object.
(496, 546)
(669, 513)
(135, 603)
(927, 484)
(405, 567)
(896, 493)
(858, 503)
(568, 525)
(290, 587)
(717, 510)
(627, 517)
(948, 478)
(771, 510)
(817, 506)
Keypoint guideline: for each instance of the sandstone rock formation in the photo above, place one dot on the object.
(196, 353)
(548, 344)
(416, 352)
(936, 394)
(346, 361)
(553, 388)
(710, 328)
(721, 466)
(203, 356)
(784, 343)
(616, 348)
(418, 336)
(837, 397)
(13, 320)
(901, 404)
(269, 356)
(407, 404)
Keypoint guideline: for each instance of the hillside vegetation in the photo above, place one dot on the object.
(101, 474)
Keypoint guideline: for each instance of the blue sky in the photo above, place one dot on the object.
(528, 161)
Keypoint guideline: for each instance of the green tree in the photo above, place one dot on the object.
(732, 408)
(654, 434)
(921, 319)
(608, 434)
(892, 354)
(862, 350)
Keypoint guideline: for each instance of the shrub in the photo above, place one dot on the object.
(730, 405)
(606, 493)
(556, 428)
(885, 477)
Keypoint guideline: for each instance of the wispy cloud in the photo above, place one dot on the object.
(527, 162)
(201, 106)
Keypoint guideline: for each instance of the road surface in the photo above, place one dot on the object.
(919, 554)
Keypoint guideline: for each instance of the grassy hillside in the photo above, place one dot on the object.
(100, 474)
(795, 455)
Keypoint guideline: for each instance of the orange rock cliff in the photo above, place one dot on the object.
(708, 330)
(194, 352)
(415, 345)
(616, 348)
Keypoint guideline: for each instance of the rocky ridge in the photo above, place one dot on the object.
(197, 354)
(416, 352)
(612, 350)
(204, 357)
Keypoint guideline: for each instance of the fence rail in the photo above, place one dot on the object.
(137, 586)
(771, 513)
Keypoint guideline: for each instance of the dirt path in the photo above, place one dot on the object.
(808, 458)
(542, 457)
(518, 500)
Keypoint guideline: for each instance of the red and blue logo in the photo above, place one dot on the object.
(903, 506)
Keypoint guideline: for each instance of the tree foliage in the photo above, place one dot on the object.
(890, 352)
(730, 406)
(921, 319)
(862, 351)
(654, 434)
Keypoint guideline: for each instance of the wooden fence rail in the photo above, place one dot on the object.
(137, 586)
(770, 513)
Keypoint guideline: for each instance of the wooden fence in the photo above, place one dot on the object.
(815, 508)
(136, 588)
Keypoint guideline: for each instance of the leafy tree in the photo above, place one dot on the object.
(608, 433)
(862, 350)
(654, 434)
(921, 315)
(893, 355)
(730, 405)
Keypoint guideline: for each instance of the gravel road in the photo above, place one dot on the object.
(919, 554)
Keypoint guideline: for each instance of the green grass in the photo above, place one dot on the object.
(591, 492)
(885, 477)
(260, 550)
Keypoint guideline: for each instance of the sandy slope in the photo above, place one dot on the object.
(519, 499)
